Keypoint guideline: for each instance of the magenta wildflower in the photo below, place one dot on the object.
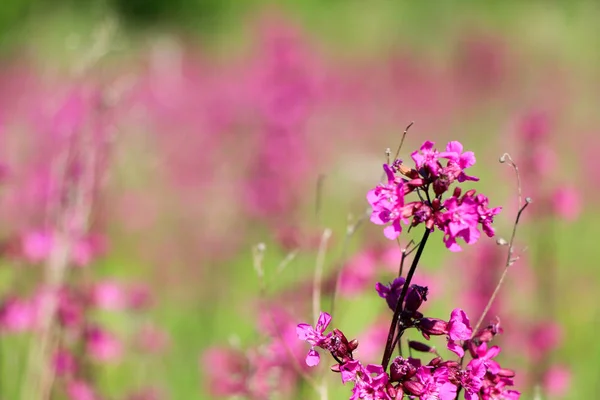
(459, 328)
(314, 336)
(387, 202)
(457, 216)
(435, 385)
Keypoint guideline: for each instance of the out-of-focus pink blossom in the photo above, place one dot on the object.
(18, 315)
(64, 363)
(37, 245)
(80, 390)
(566, 203)
(102, 345)
(109, 295)
(557, 380)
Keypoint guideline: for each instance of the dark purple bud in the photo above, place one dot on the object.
(415, 297)
(432, 326)
(441, 185)
(450, 364)
(419, 346)
(457, 192)
(401, 369)
(435, 362)
(353, 344)
(413, 388)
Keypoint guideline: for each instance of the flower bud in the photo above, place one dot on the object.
(432, 326)
(419, 346)
(416, 296)
(413, 388)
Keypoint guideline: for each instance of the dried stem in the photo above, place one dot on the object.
(509, 254)
(350, 231)
(258, 252)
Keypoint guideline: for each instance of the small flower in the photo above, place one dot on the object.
(435, 385)
(387, 202)
(459, 328)
(459, 221)
(314, 336)
(459, 161)
(484, 357)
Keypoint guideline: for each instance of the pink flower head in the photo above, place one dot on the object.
(459, 328)
(64, 363)
(314, 336)
(557, 380)
(459, 221)
(370, 382)
(435, 385)
(426, 159)
(80, 390)
(109, 295)
(566, 203)
(459, 161)
(484, 357)
(102, 345)
(17, 315)
(387, 202)
(37, 245)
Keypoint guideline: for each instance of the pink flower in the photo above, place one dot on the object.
(557, 381)
(314, 336)
(109, 295)
(37, 245)
(102, 345)
(459, 328)
(459, 161)
(426, 159)
(460, 221)
(387, 202)
(566, 203)
(64, 363)
(80, 390)
(18, 315)
(484, 357)
(435, 385)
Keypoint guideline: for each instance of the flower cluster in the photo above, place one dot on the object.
(482, 378)
(457, 216)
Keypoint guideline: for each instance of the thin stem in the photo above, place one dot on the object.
(258, 252)
(405, 253)
(389, 347)
(350, 231)
(318, 277)
(402, 140)
(509, 261)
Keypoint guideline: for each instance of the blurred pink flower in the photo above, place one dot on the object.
(102, 345)
(225, 371)
(80, 390)
(109, 295)
(37, 245)
(64, 363)
(557, 381)
(566, 203)
(18, 315)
